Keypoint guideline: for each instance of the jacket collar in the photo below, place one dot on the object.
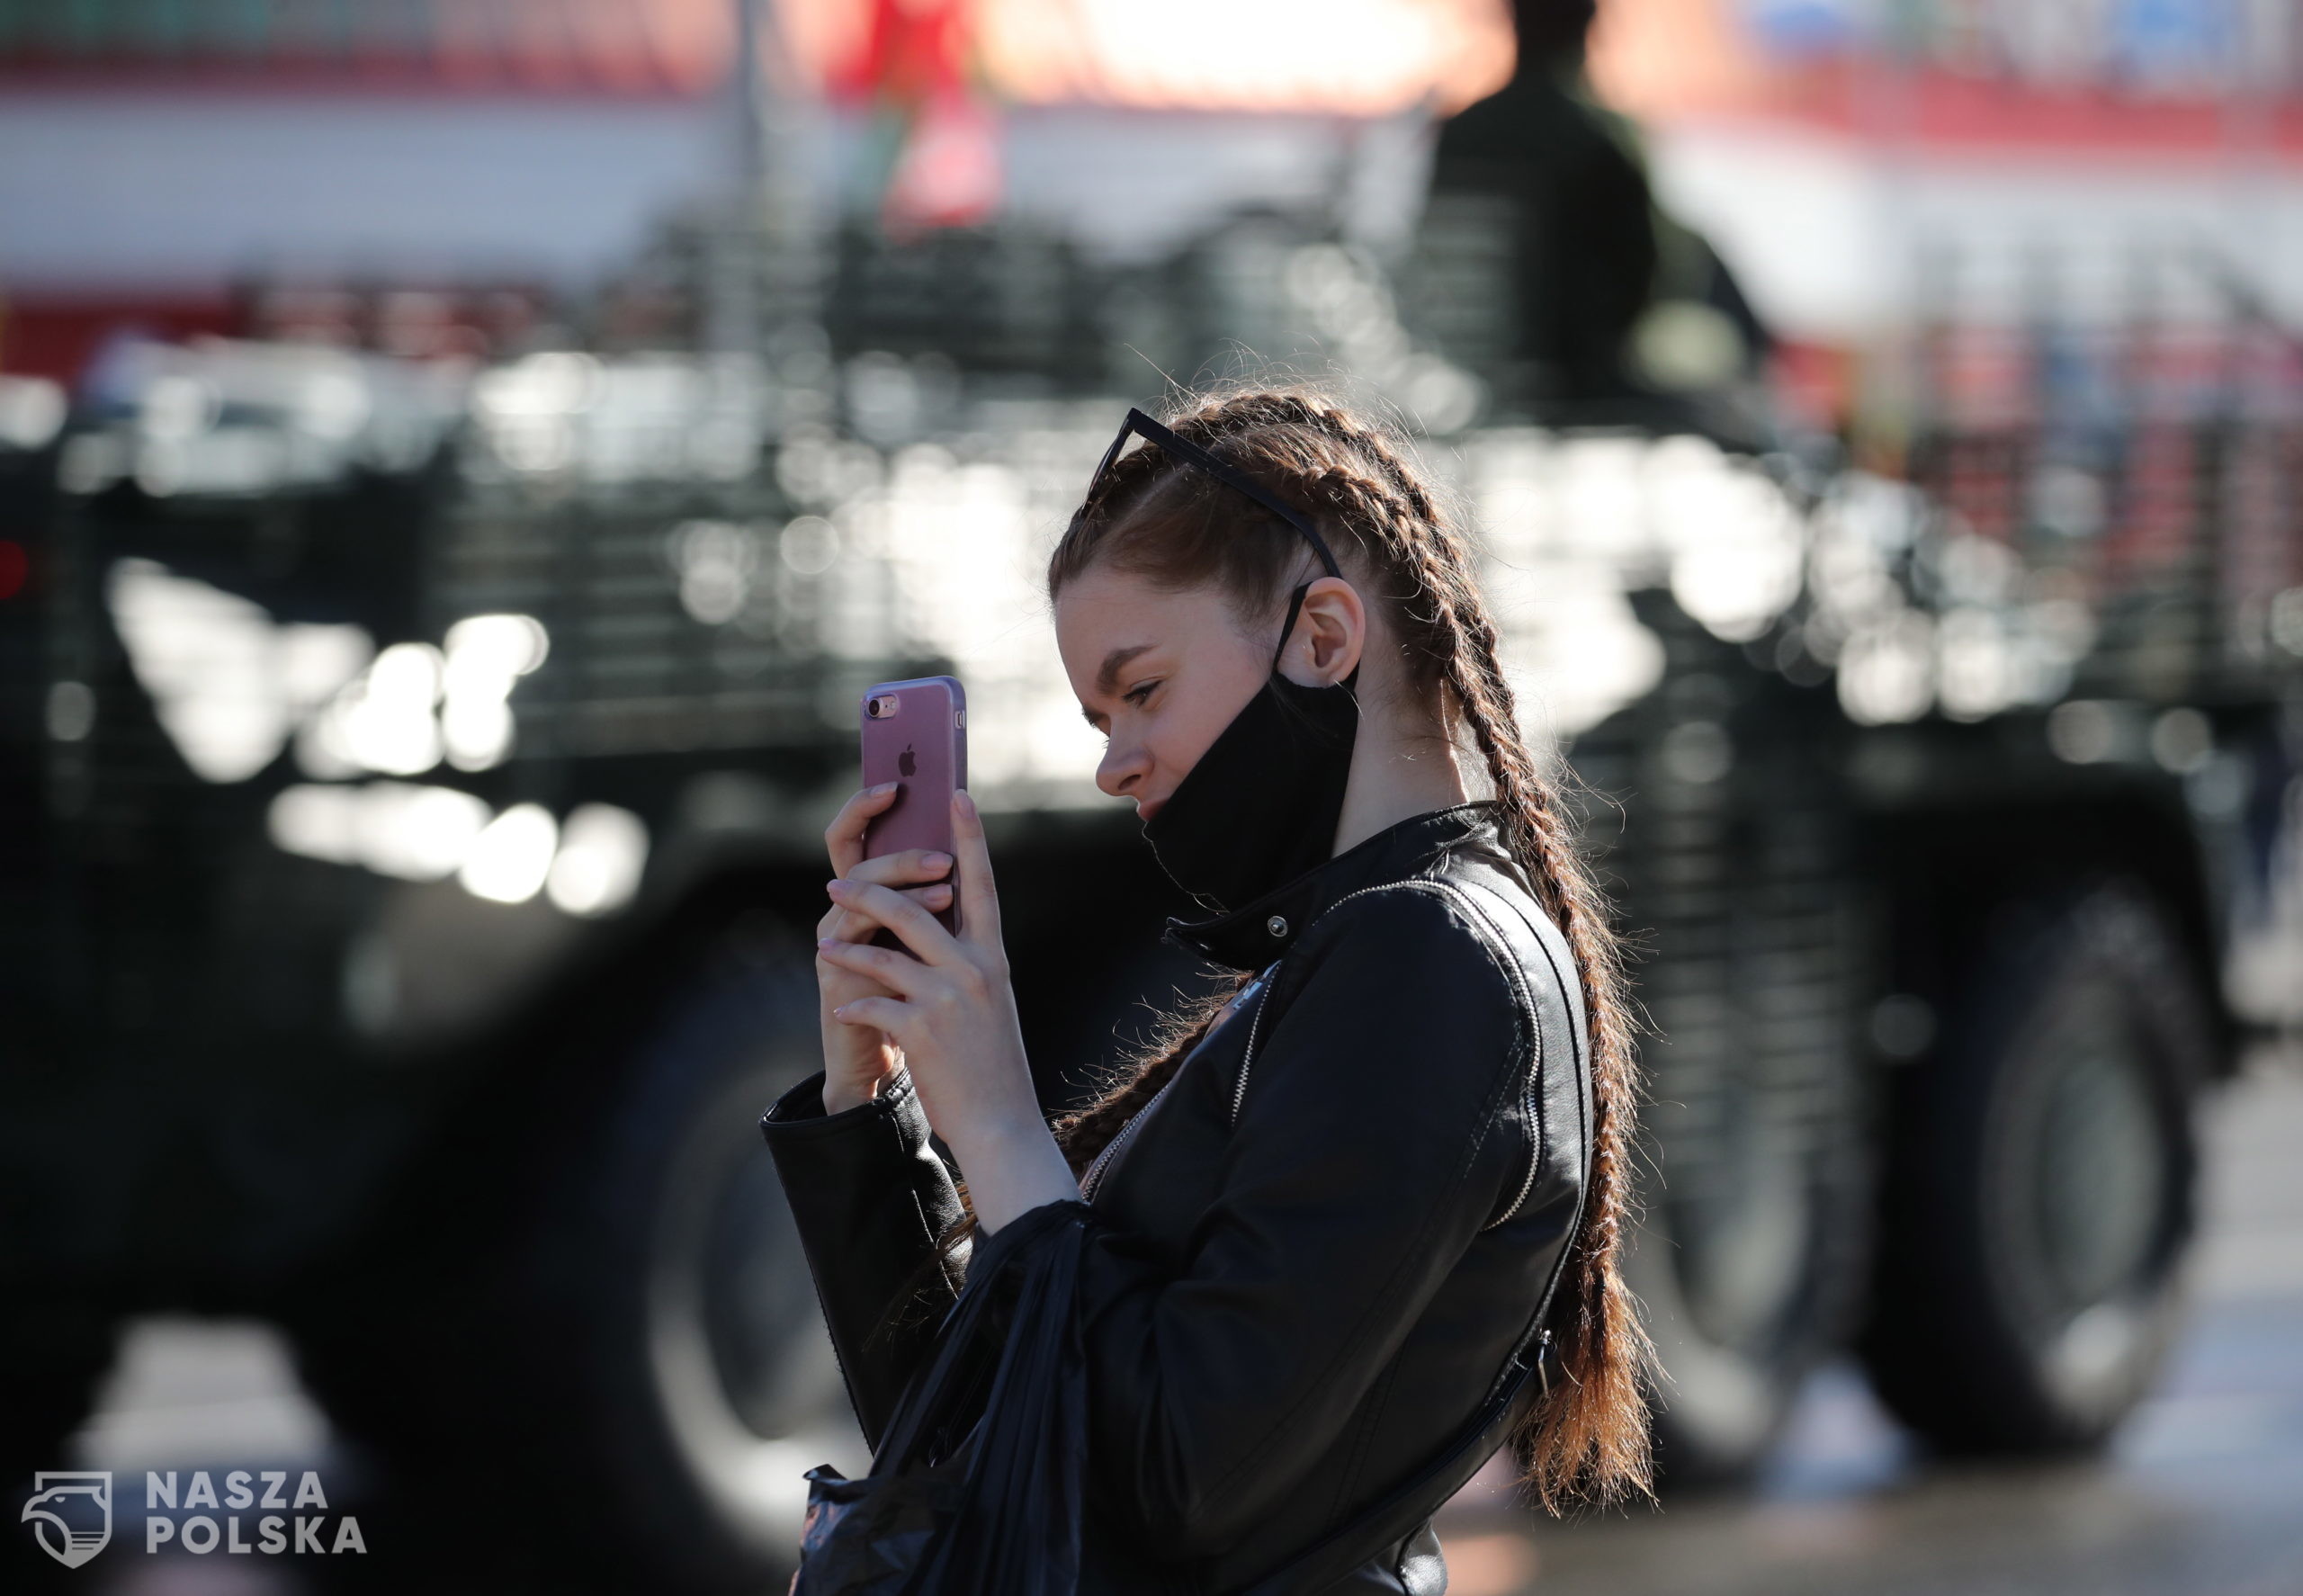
(1253, 935)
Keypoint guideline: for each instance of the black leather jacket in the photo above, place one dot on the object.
(1316, 1250)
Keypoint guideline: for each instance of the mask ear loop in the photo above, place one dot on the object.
(1288, 627)
(1295, 608)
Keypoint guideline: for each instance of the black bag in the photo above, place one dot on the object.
(972, 1493)
(976, 1486)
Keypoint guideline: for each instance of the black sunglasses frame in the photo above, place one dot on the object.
(1142, 426)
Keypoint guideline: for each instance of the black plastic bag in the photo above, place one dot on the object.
(974, 1491)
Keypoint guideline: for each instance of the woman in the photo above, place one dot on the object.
(1331, 1209)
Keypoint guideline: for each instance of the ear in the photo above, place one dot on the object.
(1329, 636)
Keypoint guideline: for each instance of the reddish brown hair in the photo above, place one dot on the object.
(1179, 528)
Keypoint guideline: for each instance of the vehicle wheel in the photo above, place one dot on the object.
(2038, 1194)
(638, 1375)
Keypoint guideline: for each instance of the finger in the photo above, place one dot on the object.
(890, 1015)
(899, 973)
(858, 927)
(843, 837)
(979, 898)
(849, 926)
(914, 927)
(896, 869)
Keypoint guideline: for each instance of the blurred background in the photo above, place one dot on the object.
(461, 461)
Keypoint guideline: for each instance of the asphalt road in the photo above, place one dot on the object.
(2203, 1496)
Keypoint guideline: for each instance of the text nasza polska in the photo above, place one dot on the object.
(262, 1491)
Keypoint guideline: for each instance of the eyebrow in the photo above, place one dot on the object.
(1107, 674)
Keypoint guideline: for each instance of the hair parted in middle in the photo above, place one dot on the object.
(1179, 528)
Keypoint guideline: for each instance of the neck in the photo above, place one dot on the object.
(1393, 778)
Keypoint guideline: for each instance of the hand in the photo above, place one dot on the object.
(857, 1059)
(951, 1012)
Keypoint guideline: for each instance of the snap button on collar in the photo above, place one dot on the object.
(1276, 925)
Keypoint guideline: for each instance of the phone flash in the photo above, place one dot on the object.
(882, 706)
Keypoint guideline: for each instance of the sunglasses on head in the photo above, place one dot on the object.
(1142, 426)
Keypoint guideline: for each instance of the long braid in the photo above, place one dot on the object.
(1607, 1353)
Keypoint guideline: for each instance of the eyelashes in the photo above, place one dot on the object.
(1134, 695)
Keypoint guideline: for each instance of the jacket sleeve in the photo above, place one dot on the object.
(870, 1198)
(1371, 1144)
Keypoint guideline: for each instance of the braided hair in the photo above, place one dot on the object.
(1180, 528)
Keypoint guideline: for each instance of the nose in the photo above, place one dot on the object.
(1125, 767)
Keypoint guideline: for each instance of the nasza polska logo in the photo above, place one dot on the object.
(70, 1513)
(256, 1512)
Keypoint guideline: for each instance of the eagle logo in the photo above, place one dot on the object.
(70, 1513)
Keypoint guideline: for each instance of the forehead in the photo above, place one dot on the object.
(1102, 609)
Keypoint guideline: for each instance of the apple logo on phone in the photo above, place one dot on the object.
(905, 763)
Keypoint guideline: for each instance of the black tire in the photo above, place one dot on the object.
(636, 1373)
(2037, 1198)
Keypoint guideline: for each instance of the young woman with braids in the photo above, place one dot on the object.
(1347, 1197)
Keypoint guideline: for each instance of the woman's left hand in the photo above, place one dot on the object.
(953, 1014)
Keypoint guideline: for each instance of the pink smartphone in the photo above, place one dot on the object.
(916, 734)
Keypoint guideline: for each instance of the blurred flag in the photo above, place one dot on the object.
(947, 173)
(1354, 57)
(916, 61)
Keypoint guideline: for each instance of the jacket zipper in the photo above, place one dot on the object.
(1240, 1092)
(1095, 1175)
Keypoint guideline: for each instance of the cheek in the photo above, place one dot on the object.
(1170, 750)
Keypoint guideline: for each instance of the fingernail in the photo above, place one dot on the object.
(937, 861)
(827, 942)
(883, 787)
(835, 887)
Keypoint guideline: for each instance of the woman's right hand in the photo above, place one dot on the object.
(858, 1058)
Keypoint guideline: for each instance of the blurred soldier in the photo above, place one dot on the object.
(1613, 298)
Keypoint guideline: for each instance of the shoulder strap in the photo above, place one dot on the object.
(1415, 1499)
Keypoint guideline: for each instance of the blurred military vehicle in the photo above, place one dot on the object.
(415, 772)
(418, 773)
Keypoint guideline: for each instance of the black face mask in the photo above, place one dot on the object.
(1261, 806)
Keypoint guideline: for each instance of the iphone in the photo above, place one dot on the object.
(915, 733)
